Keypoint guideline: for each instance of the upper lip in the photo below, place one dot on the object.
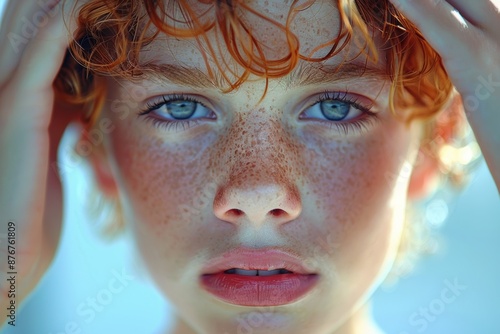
(257, 259)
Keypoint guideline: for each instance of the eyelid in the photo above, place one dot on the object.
(174, 124)
(359, 124)
(158, 101)
(344, 96)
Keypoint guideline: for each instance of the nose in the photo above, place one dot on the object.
(257, 205)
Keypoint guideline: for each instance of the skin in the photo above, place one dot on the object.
(175, 243)
(337, 209)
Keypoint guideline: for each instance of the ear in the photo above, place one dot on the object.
(425, 176)
(428, 168)
(101, 167)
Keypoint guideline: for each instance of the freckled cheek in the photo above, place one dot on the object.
(353, 191)
(350, 180)
(161, 183)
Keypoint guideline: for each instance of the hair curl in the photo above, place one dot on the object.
(111, 33)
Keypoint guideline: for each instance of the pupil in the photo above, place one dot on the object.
(334, 110)
(181, 109)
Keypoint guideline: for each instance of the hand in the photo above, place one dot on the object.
(466, 34)
(34, 39)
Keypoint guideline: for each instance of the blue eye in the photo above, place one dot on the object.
(335, 107)
(177, 110)
(334, 110)
(340, 111)
(181, 109)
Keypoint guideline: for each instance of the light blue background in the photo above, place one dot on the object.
(85, 265)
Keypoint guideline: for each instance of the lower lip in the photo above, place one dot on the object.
(259, 290)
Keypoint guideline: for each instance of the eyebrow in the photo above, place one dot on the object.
(179, 75)
(304, 74)
(315, 74)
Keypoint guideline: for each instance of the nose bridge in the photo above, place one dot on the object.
(257, 162)
(261, 152)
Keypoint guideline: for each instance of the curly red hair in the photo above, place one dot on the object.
(111, 33)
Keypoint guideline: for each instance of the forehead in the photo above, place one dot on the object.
(315, 23)
(271, 29)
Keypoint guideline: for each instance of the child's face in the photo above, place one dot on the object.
(236, 172)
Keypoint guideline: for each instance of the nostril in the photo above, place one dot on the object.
(235, 212)
(257, 204)
(276, 212)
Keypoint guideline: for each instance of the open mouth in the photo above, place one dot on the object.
(237, 271)
(258, 277)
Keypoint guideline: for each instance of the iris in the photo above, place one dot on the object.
(334, 110)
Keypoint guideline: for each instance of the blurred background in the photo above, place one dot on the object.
(98, 287)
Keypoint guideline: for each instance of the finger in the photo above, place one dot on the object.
(8, 29)
(23, 22)
(484, 14)
(12, 10)
(442, 26)
(42, 58)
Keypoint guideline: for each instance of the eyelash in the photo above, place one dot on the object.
(167, 124)
(361, 124)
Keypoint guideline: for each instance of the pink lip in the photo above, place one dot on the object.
(279, 289)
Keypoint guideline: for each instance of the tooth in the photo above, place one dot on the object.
(256, 272)
(268, 272)
(245, 272)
